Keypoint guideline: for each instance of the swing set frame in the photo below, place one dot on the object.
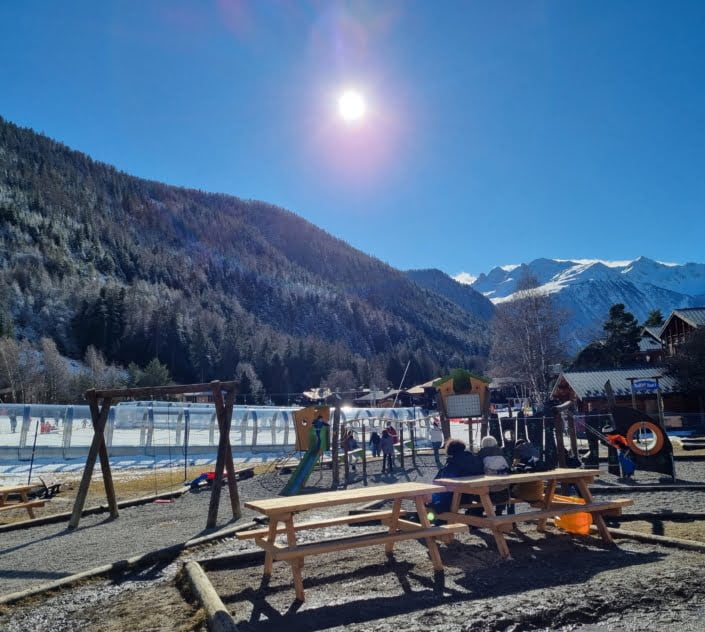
(100, 402)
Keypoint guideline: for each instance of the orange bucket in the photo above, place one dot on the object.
(577, 523)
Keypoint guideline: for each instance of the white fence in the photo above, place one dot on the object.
(164, 427)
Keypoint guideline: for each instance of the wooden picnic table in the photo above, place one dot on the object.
(540, 511)
(283, 511)
(23, 492)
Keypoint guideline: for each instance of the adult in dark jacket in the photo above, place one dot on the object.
(459, 463)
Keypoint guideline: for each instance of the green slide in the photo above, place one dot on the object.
(298, 479)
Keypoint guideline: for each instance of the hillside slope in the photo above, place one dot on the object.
(140, 269)
(464, 296)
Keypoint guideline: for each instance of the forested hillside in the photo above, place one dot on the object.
(462, 295)
(204, 282)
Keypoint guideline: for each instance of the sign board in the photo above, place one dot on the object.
(464, 405)
(641, 386)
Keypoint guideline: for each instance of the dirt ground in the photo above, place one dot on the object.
(555, 581)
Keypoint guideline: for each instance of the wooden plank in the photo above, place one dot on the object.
(319, 524)
(368, 539)
(29, 503)
(15, 489)
(469, 483)
(272, 506)
(147, 392)
(559, 509)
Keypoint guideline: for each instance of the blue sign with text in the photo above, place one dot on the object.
(641, 386)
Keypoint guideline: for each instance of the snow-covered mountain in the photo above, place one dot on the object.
(586, 289)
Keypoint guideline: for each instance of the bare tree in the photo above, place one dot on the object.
(526, 339)
(20, 369)
(55, 375)
(340, 380)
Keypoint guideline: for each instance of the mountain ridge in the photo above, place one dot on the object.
(203, 281)
(587, 288)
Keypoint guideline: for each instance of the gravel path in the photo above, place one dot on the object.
(41, 554)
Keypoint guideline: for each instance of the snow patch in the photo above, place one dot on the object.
(465, 278)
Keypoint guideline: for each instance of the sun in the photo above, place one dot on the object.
(351, 106)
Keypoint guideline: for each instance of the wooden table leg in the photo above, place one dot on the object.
(24, 497)
(455, 503)
(393, 523)
(547, 500)
(596, 517)
(271, 537)
(295, 563)
(496, 531)
(430, 542)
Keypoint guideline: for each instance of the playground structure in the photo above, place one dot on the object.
(100, 402)
(313, 437)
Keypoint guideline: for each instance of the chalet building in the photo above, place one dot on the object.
(377, 399)
(423, 395)
(650, 345)
(679, 324)
(586, 389)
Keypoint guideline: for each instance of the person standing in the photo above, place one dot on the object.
(349, 444)
(392, 432)
(374, 443)
(387, 446)
(436, 442)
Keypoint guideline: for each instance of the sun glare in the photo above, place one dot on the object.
(351, 106)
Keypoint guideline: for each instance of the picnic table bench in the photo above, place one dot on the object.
(23, 492)
(282, 512)
(542, 509)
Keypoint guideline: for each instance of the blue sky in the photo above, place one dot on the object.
(496, 132)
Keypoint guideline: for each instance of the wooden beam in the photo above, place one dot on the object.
(98, 419)
(104, 458)
(225, 458)
(229, 465)
(368, 539)
(150, 391)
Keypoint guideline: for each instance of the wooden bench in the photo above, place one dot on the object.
(281, 513)
(544, 509)
(556, 509)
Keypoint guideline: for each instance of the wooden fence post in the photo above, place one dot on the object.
(364, 456)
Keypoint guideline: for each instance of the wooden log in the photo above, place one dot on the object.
(219, 619)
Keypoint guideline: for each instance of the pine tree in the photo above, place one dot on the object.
(623, 335)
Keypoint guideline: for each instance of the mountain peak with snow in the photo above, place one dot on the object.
(587, 288)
